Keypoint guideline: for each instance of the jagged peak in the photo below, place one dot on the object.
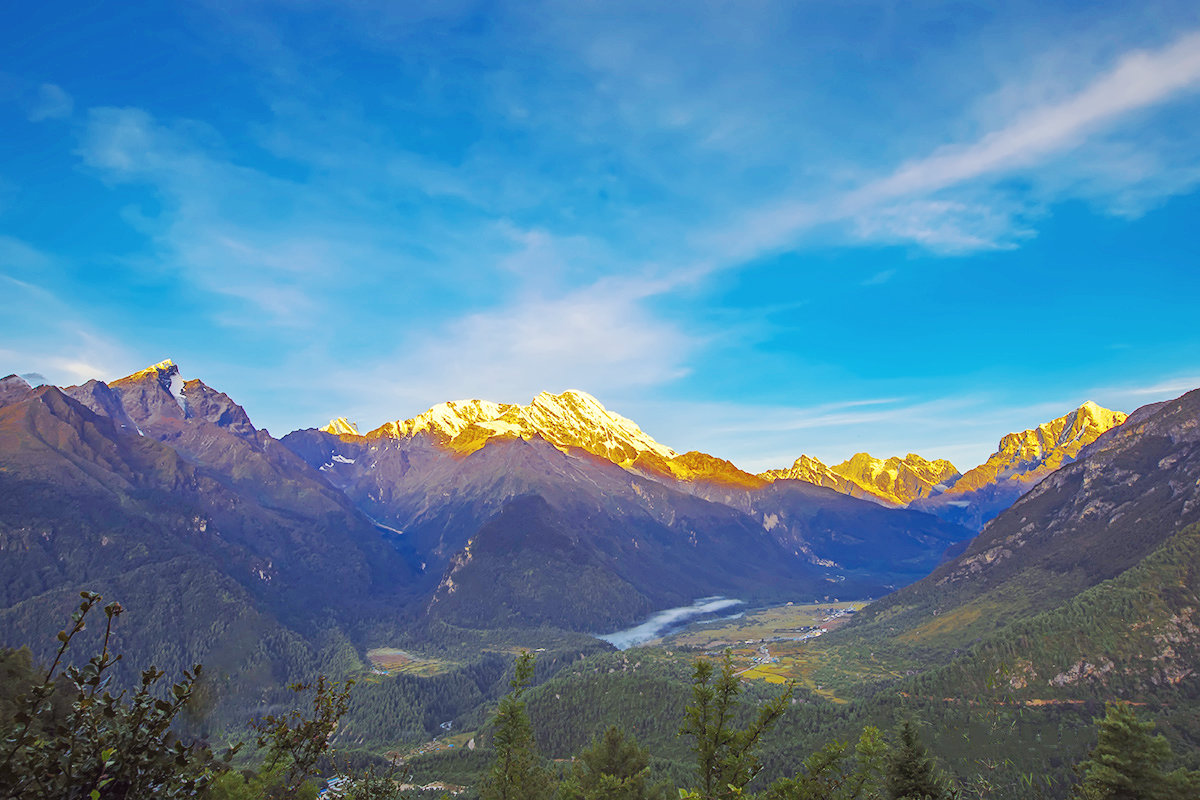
(1086, 419)
(894, 480)
(1029, 455)
(13, 389)
(572, 418)
(167, 374)
(341, 427)
(166, 365)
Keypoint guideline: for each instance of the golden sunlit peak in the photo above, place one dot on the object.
(166, 365)
(341, 427)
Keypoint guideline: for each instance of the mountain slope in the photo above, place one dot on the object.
(1130, 491)
(437, 479)
(1021, 460)
(657, 546)
(231, 521)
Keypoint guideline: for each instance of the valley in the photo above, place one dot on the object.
(423, 558)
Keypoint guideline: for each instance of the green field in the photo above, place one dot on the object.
(402, 662)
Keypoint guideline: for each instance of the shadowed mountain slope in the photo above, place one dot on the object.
(1128, 493)
(230, 524)
(655, 546)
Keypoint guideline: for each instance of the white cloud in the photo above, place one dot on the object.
(943, 226)
(921, 201)
(43, 333)
(52, 103)
(1128, 397)
(599, 339)
(1139, 80)
(879, 278)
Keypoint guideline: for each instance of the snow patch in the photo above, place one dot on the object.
(176, 390)
(342, 459)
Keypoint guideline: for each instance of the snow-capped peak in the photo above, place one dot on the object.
(445, 420)
(166, 373)
(166, 366)
(341, 427)
(570, 419)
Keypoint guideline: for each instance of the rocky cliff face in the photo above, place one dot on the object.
(1031, 455)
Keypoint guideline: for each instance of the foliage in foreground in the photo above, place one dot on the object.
(100, 745)
(67, 736)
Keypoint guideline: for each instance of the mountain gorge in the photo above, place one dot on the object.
(467, 513)
(462, 515)
(433, 478)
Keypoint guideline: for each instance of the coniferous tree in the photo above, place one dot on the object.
(830, 773)
(1126, 763)
(912, 773)
(613, 768)
(725, 757)
(517, 772)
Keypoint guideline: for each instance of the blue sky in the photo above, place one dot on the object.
(758, 229)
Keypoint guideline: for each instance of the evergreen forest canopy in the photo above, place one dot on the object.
(66, 735)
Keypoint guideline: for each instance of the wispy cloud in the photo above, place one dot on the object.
(910, 204)
(1139, 80)
(51, 103)
(566, 194)
(599, 339)
(47, 335)
(1166, 389)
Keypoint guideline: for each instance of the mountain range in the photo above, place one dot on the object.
(1084, 591)
(971, 499)
(473, 514)
(269, 559)
(450, 517)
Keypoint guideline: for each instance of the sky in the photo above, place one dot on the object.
(758, 229)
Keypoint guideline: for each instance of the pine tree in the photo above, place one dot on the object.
(831, 773)
(1126, 763)
(614, 767)
(725, 759)
(912, 773)
(517, 772)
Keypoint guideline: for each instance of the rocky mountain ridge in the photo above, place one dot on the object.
(570, 419)
(894, 481)
(1129, 492)
(575, 419)
(1021, 460)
